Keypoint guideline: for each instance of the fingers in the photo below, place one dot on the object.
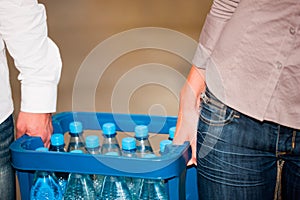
(35, 124)
(44, 132)
(192, 162)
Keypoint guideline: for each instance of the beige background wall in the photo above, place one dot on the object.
(78, 26)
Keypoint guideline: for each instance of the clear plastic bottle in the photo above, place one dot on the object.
(172, 133)
(45, 185)
(92, 145)
(114, 187)
(57, 144)
(76, 137)
(129, 147)
(129, 150)
(110, 143)
(154, 189)
(79, 186)
(143, 146)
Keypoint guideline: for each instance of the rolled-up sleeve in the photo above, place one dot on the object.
(220, 12)
(23, 27)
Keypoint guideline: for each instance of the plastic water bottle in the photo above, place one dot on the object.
(129, 150)
(143, 146)
(45, 185)
(152, 189)
(162, 146)
(149, 188)
(110, 143)
(114, 187)
(92, 145)
(57, 144)
(76, 137)
(79, 186)
(172, 133)
(129, 147)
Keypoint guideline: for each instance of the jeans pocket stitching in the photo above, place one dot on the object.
(226, 121)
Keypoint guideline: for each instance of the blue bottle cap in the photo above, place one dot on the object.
(141, 131)
(172, 132)
(109, 128)
(75, 127)
(92, 141)
(76, 151)
(42, 149)
(128, 143)
(163, 144)
(57, 139)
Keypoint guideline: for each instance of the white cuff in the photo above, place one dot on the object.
(39, 99)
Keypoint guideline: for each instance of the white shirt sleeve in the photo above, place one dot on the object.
(23, 28)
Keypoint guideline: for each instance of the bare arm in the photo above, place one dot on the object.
(186, 128)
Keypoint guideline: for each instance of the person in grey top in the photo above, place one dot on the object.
(245, 79)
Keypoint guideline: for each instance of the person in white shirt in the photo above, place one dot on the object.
(23, 32)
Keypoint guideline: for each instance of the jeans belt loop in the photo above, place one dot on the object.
(204, 97)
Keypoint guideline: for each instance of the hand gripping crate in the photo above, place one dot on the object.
(180, 180)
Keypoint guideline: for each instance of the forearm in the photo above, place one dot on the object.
(186, 128)
(196, 80)
(190, 93)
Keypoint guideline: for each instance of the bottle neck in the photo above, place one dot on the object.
(95, 150)
(109, 135)
(57, 148)
(76, 134)
(129, 153)
(142, 138)
(143, 144)
(143, 147)
(76, 138)
(110, 140)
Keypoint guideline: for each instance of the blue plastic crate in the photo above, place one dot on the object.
(181, 181)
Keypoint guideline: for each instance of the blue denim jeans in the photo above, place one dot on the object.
(240, 158)
(7, 175)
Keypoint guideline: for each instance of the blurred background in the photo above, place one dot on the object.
(80, 26)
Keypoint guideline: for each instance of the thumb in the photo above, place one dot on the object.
(20, 129)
